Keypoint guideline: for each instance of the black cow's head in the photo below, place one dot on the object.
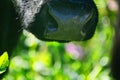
(65, 20)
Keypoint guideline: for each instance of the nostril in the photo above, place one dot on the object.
(51, 28)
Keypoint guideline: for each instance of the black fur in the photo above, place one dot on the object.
(10, 26)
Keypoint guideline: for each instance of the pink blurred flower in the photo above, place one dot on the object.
(75, 51)
(112, 5)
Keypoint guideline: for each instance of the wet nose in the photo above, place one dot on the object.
(65, 21)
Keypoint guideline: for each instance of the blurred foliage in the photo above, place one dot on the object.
(4, 62)
(87, 60)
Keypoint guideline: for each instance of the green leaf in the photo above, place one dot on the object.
(4, 62)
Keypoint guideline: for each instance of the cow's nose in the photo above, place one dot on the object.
(65, 21)
(71, 19)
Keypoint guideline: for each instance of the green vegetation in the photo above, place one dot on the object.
(4, 62)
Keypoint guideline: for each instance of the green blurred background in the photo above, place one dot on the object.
(33, 59)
